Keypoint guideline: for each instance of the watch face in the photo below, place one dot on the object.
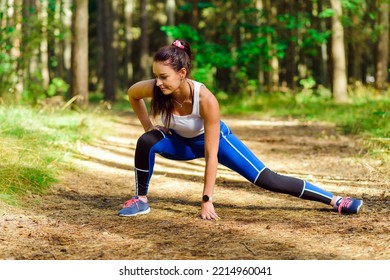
(206, 198)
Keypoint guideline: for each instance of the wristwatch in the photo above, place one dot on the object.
(205, 198)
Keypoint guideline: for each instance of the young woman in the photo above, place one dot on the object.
(193, 129)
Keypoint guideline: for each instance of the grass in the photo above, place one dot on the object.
(34, 147)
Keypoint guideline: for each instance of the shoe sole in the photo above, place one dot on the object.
(135, 214)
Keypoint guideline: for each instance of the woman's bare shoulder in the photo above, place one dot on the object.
(142, 89)
(207, 101)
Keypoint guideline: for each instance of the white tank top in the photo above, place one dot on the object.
(191, 125)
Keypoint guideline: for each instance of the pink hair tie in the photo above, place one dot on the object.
(178, 44)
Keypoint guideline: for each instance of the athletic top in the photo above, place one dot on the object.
(191, 125)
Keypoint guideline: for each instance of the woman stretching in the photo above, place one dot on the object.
(193, 129)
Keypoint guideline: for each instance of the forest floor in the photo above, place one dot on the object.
(77, 219)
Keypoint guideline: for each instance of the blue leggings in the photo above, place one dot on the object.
(232, 153)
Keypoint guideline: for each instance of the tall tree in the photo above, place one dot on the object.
(320, 62)
(195, 14)
(128, 15)
(145, 67)
(11, 17)
(79, 83)
(273, 74)
(355, 49)
(339, 78)
(105, 8)
(260, 76)
(170, 10)
(44, 48)
(382, 58)
(64, 60)
(27, 62)
(291, 9)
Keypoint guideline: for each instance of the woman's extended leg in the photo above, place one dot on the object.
(236, 155)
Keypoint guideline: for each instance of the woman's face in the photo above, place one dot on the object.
(167, 79)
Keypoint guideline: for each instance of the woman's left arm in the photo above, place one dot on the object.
(209, 111)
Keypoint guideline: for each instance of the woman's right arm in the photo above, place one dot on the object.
(137, 93)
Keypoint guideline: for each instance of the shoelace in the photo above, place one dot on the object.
(344, 203)
(131, 202)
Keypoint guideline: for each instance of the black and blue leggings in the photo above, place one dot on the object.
(232, 153)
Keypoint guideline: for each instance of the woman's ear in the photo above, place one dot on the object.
(183, 73)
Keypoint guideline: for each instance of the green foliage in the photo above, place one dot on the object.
(20, 51)
(200, 5)
(206, 54)
(234, 37)
(252, 54)
(57, 87)
(7, 61)
(205, 74)
(312, 39)
(327, 13)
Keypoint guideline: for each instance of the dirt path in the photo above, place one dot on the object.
(77, 219)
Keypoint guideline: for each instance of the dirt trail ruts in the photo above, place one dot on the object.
(77, 218)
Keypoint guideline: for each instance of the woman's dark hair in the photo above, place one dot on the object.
(178, 56)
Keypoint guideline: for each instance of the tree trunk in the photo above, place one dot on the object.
(64, 65)
(355, 51)
(338, 55)
(292, 51)
(44, 48)
(109, 52)
(145, 64)
(195, 14)
(30, 50)
(170, 10)
(320, 63)
(382, 58)
(128, 11)
(11, 17)
(80, 53)
(260, 74)
(53, 41)
(273, 74)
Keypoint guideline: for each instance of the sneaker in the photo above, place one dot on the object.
(134, 207)
(347, 205)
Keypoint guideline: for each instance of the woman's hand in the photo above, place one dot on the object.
(208, 211)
